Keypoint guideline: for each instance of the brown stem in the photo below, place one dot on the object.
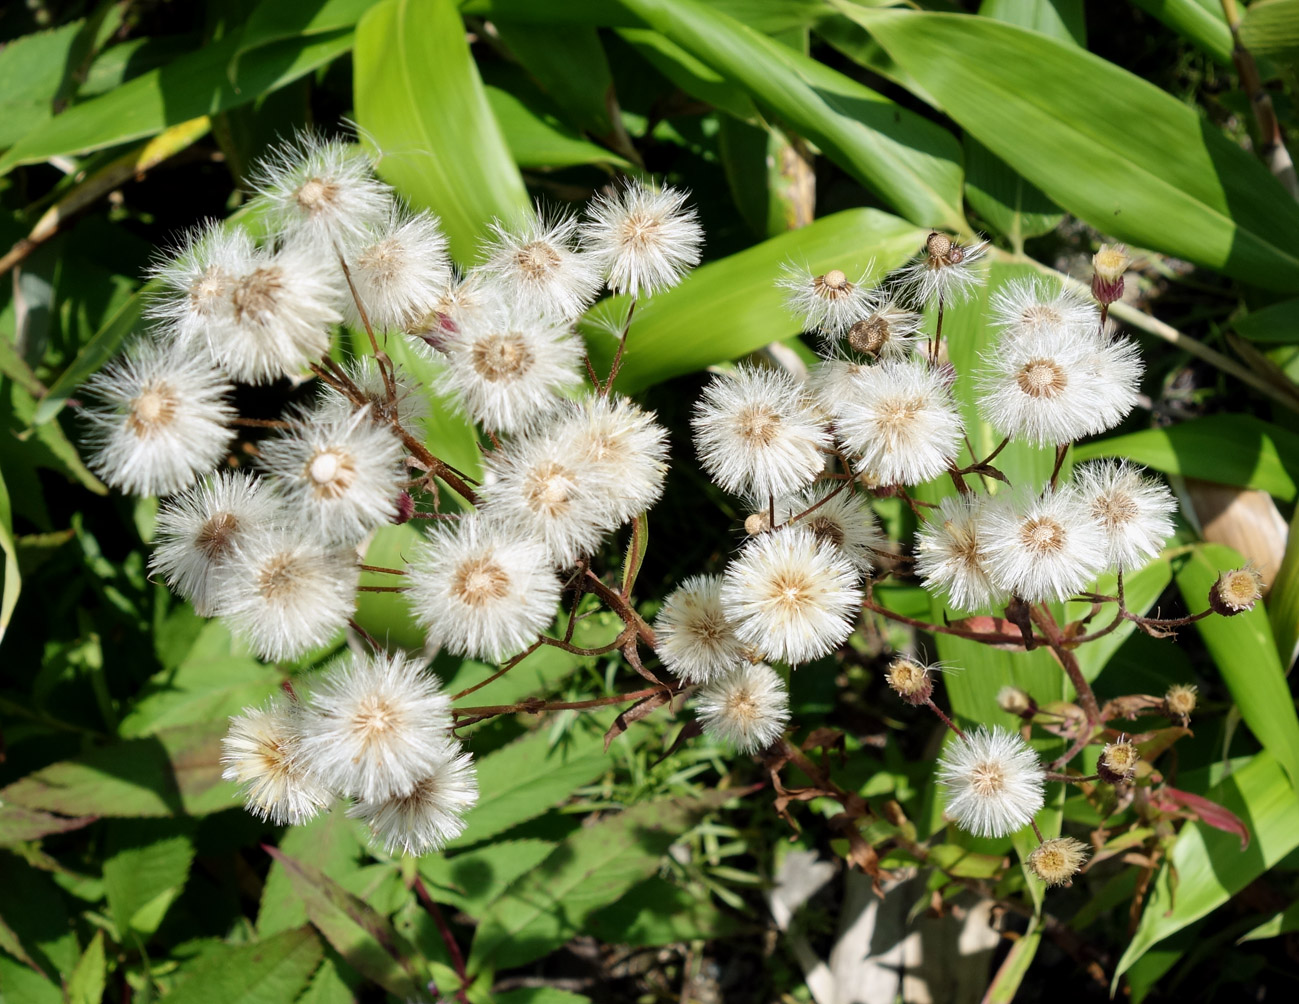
(1045, 621)
(509, 665)
(1061, 451)
(812, 508)
(621, 607)
(536, 707)
(1271, 149)
(622, 347)
(946, 721)
(381, 358)
(369, 639)
(385, 571)
(987, 637)
(264, 423)
(381, 589)
(448, 939)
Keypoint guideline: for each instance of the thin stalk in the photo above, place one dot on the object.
(622, 347)
(1045, 620)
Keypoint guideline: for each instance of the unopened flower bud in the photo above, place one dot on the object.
(405, 508)
(834, 279)
(1109, 264)
(1179, 702)
(1118, 762)
(1014, 701)
(1236, 591)
(911, 680)
(756, 523)
(939, 246)
(869, 336)
(1057, 861)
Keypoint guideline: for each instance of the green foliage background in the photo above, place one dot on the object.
(127, 871)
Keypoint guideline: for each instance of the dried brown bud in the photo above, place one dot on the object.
(1236, 591)
(1118, 762)
(911, 680)
(1179, 702)
(834, 279)
(756, 523)
(938, 246)
(869, 336)
(1014, 701)
(1057, 861)
(1109, 265)
(405, 508)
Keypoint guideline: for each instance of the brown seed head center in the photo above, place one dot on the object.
(206, 291)
(256, 295)
(1040, 315)
(826, 529)
(383, 261)
(537, 260)
(987, 779)
(1042, 535)
(791, 590)
(152, 410)
(869, 336)
(480, 582)
(742, 706)
(214, 537)
(316, 195)
(757, 425)
(1115, 510)
(834, 285)
(374, 717)
(278, 577)
(1042, 378)
(548, 488)
(498, 358)
(331, 472)
(639, 231)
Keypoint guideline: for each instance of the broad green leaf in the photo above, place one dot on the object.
(659, 912)
(1278, 322)
(334, 982)
(34, 922)
(273, 21)
(420, 100)
(1010, 205)
(524, 779)
(569, 64)
(31, 72)
(18, 982)
(1283, 600)
(177, 771)
(541, 142)
(596, 865)
(1104, 144)
(1231, 449)
(731, 307)
(86, 985)
(1010, 974)
(767, 16)
(12, 577)
(1246, 656)
(1062, 19)
(911, 163)
(691, 75)
(540, 995)
(18, 824)
(1209, 865)
(329, 843)
(269, 971)
(146, 868)
(194, 85)
(1281, 922)
(359, 934)
(472, 879)
(1200, 21)
(1271, 28)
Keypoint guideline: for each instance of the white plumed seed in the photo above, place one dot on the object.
(481, 588)
(791, 596)
(1135, 512)
(747, 707)
(400, 272)
(195, 278)
(539, 488)
(1031, 306)
(432, 813)
(1042, 547)
(508, 376)
(1115, 365)
(839, 517)
(944, 273)
(373, 724)
(829, 303)
(829, 382)
(756, 434)
(340, 476)
(952, 553)
(198, 530)
(281, 312)
(900, 422)
(285, 594)
(410, 405)
(644, 239)
(621, 448)
(694, 638)
(321, 192)
(993, 782)
(159, 419)
(260, 754)
(536, 267)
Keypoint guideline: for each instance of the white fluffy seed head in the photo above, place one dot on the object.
(1055, 385)
(536, 267)
(321, 192)
(828, 303)
(1042, 547)
(285, 594)
(1135, 512)
(373, 725)
(159, 418)
(898, 419)
(198, 530)
(829, 383)
(481, 588)
(508, 376)
(432, 813)
(1032, 306)
(792, 597)
(643, 238)
(756, 434)
(411, 401)
(340, 476)
(260, 754)
(952, 554)
(992, 780)
(400, 271)
(1057, 861)
(747, 707)
(540, 489)
(837, 516)
(944, 272)
(282, 310)
(195, 278)
(694, 638)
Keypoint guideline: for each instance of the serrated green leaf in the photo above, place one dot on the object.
(86, 985)
(444, 153)
(269, 971)
(146, 867)
(731, 307)
(1231, 449)
(329, 843)
(1246, 656)
(1209, 865)
(659, 912)
(1118, 153)
(31, 72)
(595, 866)
(472, 879)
